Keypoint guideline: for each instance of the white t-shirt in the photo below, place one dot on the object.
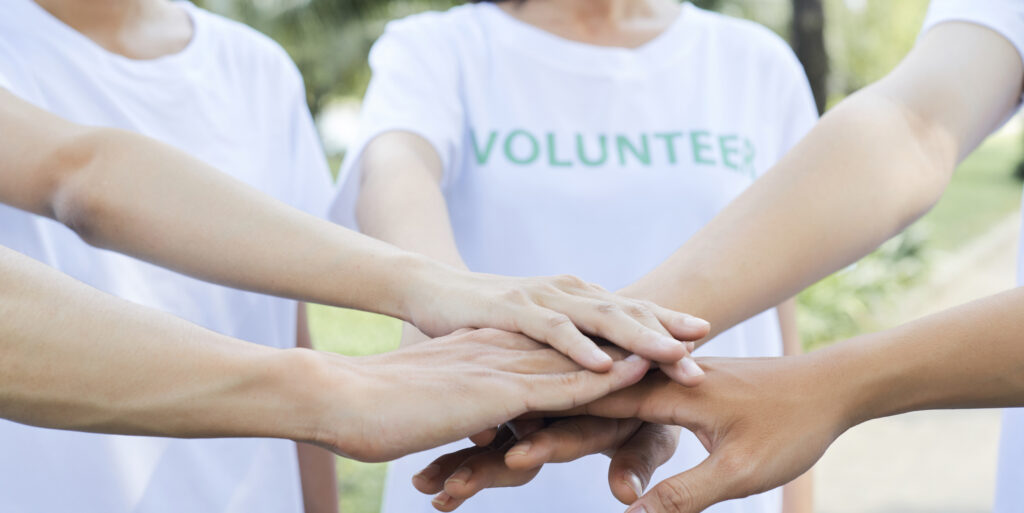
(562, 157)
(1007, 18)
(233, 99)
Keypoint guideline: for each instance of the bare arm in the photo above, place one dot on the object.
(125, 192)
(316, 464)
(798, 495)
(872, 165)
(72, 357)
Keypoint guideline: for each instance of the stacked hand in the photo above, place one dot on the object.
(764, 422)
(464, 383)
(560, 311)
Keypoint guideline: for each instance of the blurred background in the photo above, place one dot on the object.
(964, 249)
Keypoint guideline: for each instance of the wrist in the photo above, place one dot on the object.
(425, 281)
(410, 282)
(311, 397)
(863, 382)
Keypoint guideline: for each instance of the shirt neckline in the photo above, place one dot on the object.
(78, 38)
(663, 49)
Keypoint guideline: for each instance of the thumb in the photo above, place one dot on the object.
(692, 491)
(635, 461)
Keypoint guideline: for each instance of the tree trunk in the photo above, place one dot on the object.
(808, 40)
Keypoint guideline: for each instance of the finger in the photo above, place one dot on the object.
(558, 331)
(685, 372)
(486, 470)
(445, 502)
(568, 440)
(615, 320)
(484, 437)
(551, 361)
(634, 463)
(656, 399)
(681, 326)
(557, 392)
(523, 428)
(431, 479)
(692, 491)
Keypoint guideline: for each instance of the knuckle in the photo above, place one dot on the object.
(571, 430)
(557, 320)
(516, 296)
(606, 307)
(639, 310)
(742, 469)
(570, 282)
(674, 494)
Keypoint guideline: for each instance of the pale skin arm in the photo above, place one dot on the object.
(121, 191)
(872, 165)
(798, 495)
(316, 464)
(158, 375)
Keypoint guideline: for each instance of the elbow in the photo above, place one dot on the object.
(923, 153)
(77, 198)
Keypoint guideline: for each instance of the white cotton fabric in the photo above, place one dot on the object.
(1007, 18)
(233, 99)
(518, 116)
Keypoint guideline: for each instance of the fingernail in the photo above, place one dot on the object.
(695, 322)
(428, 473)
(460, 476)
(691, 347)
(520, 449)
(670, 342)
(637, 509)
(691, 368)
(441, 499)
(600, 356)
(633, 482)
(634, 358)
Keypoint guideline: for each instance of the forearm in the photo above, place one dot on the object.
(968, 357)
(122, 191)
(401, 203)
(872, 165)
(846, 188)
(319, 478)
(96, 363)
(236, 235)
(400, 200)
(798, 494)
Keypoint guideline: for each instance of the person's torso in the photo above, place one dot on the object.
(601, 162)
(221, 99)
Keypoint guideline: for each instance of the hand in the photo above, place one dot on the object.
(446, 389)
(765, 422)
(559, 311)
(636, 449)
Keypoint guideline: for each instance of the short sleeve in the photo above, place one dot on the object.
(12, 75)
(800, 112)
(312, 189)
(1005, 17)
(414, 88)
